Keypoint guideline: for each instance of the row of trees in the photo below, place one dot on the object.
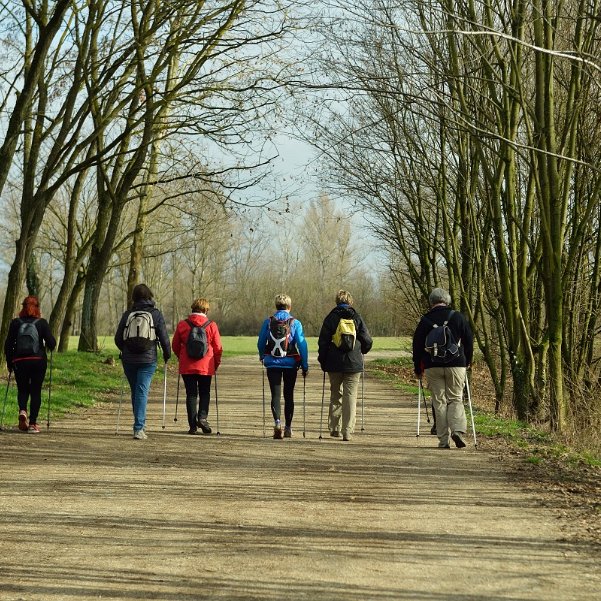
(239, 260)
(111, 109)
(470, 133)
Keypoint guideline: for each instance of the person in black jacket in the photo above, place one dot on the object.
(138, 345)
(25, 349)
(343, 365)
(446, 380)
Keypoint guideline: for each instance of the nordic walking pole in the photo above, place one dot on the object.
(469, 402)
(419, 403)
(217, 405)
(120, 403)
(425, 403)
(363, 394)
(176, 398)
(5, 398)
(323, 394)
(304, 403)
(49, 393)
(164, 394)
(263, 372)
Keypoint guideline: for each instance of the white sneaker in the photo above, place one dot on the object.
(140, 435)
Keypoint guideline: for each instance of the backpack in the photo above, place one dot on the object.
(441, 343)
(139, 334)
(278, 344)
(28, 339)
(197, 344)
(345, 336)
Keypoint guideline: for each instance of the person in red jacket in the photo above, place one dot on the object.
(197, 373)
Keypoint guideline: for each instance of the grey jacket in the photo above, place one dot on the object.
(149, 356)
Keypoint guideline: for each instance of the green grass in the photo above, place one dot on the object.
(78, 380)
(247, 345)
(537, 445)
(82, 379)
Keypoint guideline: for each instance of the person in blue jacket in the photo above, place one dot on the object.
(282, 351)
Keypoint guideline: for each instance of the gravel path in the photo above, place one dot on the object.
(88, 514)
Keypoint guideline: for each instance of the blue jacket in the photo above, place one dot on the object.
(297, 338)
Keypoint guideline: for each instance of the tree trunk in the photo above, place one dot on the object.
(67, 324)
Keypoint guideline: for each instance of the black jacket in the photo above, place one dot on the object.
(149, 356)
(332, 358)
(460, 327)
(45, 335)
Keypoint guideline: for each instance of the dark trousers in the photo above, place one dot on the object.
(275, 375)
(29, 376)
(198, 397)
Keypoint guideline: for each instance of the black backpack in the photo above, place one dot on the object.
(28, 339)
(197, 344)
(278, 343)
(441, 343)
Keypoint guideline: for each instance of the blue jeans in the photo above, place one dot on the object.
(139, 376)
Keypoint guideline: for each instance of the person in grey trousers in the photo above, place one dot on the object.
(344, 367)
(446, 381)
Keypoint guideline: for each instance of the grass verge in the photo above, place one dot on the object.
(536, 444)
(78, 380)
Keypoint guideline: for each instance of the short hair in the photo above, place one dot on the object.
(344, 298)
(438, 295)
(141, 292)
(283, 301)
(200, 305)
(31, 307)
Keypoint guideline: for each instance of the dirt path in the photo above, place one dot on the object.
(86, 514)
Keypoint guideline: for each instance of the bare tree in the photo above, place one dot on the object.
(457, 127)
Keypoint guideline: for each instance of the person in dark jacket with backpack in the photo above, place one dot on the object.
(25, 349)
(445, 360)
(141, 329)
(282, 350)
(343, 340)
(197, 344)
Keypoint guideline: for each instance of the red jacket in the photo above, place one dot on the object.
(210, 362)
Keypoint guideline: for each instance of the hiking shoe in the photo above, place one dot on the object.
(140, 435)
(346, 437)
(433, 430)
(193, 431)
(335, 434)
(277, 433)
(23, 420)
(459, 442)
(204, 426)
(443, 445)
(33, 429)
(287, 432)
